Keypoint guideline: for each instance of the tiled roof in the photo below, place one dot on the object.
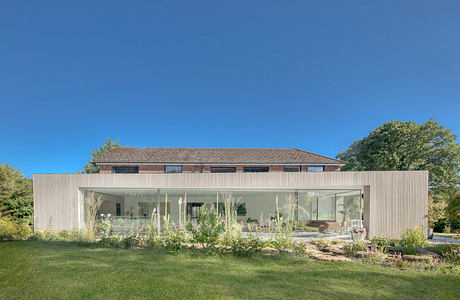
(215, 156)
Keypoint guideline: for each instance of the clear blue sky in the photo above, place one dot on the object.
(309, 74)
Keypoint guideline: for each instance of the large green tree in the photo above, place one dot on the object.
(91, 166)
(16, 194)
(453, 207)
(409, 146)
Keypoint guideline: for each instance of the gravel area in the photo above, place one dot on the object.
(445, 240)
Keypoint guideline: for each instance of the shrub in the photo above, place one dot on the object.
(72, 236)
(248, 246)
(105, 226)
(383, 241)
(174, 239)
(450, 252)
(131, 241)
(113, 241)
(353, 247)
(208, 229)
(411, 239)
(383, 244)
(321, 242)
(45, 235)
(14, 230)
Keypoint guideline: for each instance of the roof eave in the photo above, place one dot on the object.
(218, 163)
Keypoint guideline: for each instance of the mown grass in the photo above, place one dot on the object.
(59, 270)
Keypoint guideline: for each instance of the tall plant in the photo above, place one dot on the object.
(92, 205)
(284, 223)
(166, 216)
(209, 227)
(231, 228)
(411, 239)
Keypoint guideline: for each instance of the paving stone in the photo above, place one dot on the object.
(269, 250)
(327, 257)
(287, 251)
(334, 249)
(418, 258)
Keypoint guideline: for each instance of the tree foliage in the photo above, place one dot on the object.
(16, 194)
(91, 166)
(436, 211)
(401, 146)
(453, 207)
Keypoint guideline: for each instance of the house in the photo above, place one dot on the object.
(213, 160)
(137, 185)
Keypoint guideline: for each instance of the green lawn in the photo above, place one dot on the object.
(40, 270)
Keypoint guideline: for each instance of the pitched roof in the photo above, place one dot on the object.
(215, 156)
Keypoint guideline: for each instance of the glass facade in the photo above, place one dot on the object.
(310, 210)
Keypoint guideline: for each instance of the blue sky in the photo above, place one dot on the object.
(314, 75)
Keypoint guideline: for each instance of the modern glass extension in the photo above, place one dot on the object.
(311, 211)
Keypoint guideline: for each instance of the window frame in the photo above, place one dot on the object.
(227, 168)
(174, 166)
(322, 168)
(298, 168)
(115, 169)
(245, 169)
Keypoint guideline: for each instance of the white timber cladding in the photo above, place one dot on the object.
(393, 200)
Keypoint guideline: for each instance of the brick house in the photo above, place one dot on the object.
(213, 160)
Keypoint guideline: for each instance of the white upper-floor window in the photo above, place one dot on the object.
(173, 169)
(315, 168)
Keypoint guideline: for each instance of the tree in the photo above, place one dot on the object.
(436, 211)
(91, 166)
(409, 146)
(16, 194)
(453, 207)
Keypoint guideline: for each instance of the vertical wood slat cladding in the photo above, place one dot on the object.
(393, 200)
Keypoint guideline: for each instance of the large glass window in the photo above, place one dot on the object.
(256, 169)
(173, 169)
(306, 210)
(315, 168)
(223, 169)
(125, 170)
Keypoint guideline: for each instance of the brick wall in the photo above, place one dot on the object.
(331, 168)
(156, 169)
(105, 169)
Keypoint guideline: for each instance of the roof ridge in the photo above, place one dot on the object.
(239, 148)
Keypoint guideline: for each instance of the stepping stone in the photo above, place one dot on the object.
(287, 251)
(271, 251)
(418, 258)
(334, 249)
(327, 257)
